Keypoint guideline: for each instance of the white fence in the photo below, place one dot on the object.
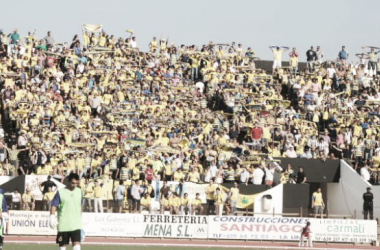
(201, 227)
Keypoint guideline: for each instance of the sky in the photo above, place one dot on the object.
(257, 24)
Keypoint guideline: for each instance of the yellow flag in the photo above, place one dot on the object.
(246, 200)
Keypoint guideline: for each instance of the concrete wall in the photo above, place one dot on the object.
(276, 204)
(346, 197)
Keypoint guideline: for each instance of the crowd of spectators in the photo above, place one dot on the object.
(103, 108)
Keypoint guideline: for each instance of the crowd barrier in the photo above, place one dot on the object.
(200, 227)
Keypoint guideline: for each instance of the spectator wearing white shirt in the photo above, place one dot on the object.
(257, 176)
(244, 176)
(136, 195)
(364, 173)
(270, 170)
(16, 200)
(290, 152)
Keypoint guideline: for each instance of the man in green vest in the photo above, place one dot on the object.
(4, 208)
(68, 203)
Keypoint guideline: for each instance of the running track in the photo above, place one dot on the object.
(186, 243)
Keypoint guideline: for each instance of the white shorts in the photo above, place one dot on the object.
(276, 64)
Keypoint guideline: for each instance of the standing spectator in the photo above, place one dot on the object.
(293, 53)
(14, 37)
(44, 186)
(311, 57)
(270, 170)
(210, 190)
(293, 63)
(47, 198)
(244, 176)
(301, 176)
(98, 197)
(218, 201)
(257, 176)
(88, 191)
(364, 173)
(120, 193)
(13, 157)
(234, 196)
(49, 40)
(319, 55)
(136, 196)
(317, 203)
(149, 174)
(343, 54)
(129, 196)
(277, 55)
(368, 204)
(256, 133)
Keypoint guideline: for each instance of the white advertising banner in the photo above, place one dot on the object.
(116, 225)
(29, 223)
(201, 227)
(37, 223)
(175, 226)
(281, 228)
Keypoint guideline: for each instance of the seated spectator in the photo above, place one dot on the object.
(16, 203)
(28, 201)
(165, 204)
(145, 203)
(175, 203)
(196, 205)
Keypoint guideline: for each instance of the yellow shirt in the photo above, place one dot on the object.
(27, 197)
(196, 202)
(175, 201)
(98, 192)
(234, 194)
(178, 176)
(185, 201)
(145, 202)
(49, 196)
(317, 199)
(210, 192)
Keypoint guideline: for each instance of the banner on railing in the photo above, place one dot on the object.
(282, 228)
(176, 226)
(113, 225)
(201, 227)
(29, 223)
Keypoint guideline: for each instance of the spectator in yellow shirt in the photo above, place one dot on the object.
(185, 204)
(145, 203)
(196, 204)
(48, 197)
(218, 198)
(210, 190)
(165, 204)
(28, 200)
(175, 203)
